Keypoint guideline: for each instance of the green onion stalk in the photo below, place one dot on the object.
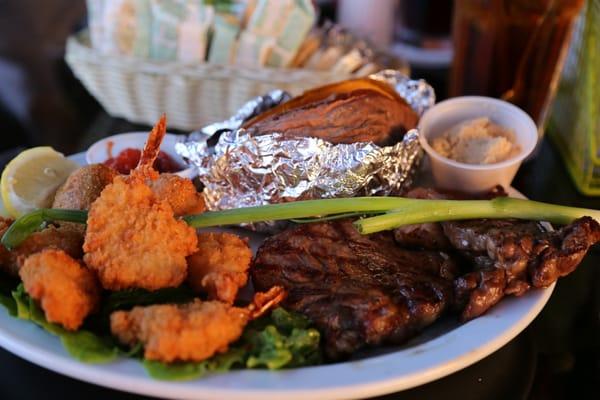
(374, 214)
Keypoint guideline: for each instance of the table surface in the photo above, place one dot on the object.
(556, 357)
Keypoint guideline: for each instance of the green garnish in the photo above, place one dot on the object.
(281, 340)
(297, 209)
(422, 211)
(396, 211)
(83, 345)
(35, 220)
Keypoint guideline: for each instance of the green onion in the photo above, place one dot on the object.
(29, 223)
(397, 211)
(296, 209)
(327, 218)
(422, 211)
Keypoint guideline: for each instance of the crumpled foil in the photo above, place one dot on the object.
(417, 93)
(241, 170)
(245, 170)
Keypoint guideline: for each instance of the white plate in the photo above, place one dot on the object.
(442, 349)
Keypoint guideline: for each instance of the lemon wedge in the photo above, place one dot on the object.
(31, 179)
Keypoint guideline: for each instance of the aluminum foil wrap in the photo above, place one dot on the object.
(417, 93)
(241, 170)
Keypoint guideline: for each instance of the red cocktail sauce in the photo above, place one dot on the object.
(129, 158)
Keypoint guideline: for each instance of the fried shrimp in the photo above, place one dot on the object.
(67, 291)
(60, 238)
(188, 332)
(132, 238)
(179, 192)
(220, 266)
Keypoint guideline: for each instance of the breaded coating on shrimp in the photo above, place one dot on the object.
(61, 238)
(220, 266)
(188, 332)
(66, 290)
(132, 239)
(180, 193)
(83, 187)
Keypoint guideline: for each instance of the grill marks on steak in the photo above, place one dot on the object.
(507, 257)
(384, 288)
(507, 245)
(431, 235)
(514, 256)
(358, 290)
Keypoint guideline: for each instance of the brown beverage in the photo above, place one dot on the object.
(511, 49)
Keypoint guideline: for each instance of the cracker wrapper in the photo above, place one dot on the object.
(165, 30)
(275, 31)
(225, 31)
(241, 170)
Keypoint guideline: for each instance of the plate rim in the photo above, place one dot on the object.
(100, 375)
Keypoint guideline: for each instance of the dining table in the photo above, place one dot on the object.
(557, 356)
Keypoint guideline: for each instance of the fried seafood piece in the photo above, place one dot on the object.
(83, 186)
(188, 332)
(81, 189)
(61, 238)
(133, 239)
(66, 290)
(180, 193)
(220, 266)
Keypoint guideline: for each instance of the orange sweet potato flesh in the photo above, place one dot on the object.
(358, 110)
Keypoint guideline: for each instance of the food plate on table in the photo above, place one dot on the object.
(315, 262)
(444, 348)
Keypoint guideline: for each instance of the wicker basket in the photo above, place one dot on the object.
(191, 96)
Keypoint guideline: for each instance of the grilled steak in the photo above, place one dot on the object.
(478, 291)
(431, 235)
(384, 288)
(507, 244)
(507, 257)
(517, 255)
(358, 290)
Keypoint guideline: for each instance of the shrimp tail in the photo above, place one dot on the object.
(265, 301)
(152, 146)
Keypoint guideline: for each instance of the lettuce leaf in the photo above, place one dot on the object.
(82, 345)
(281, 340)
(190, 370)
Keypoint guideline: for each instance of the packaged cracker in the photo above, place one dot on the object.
(224, 39)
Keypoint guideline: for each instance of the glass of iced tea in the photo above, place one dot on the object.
(512, 49)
